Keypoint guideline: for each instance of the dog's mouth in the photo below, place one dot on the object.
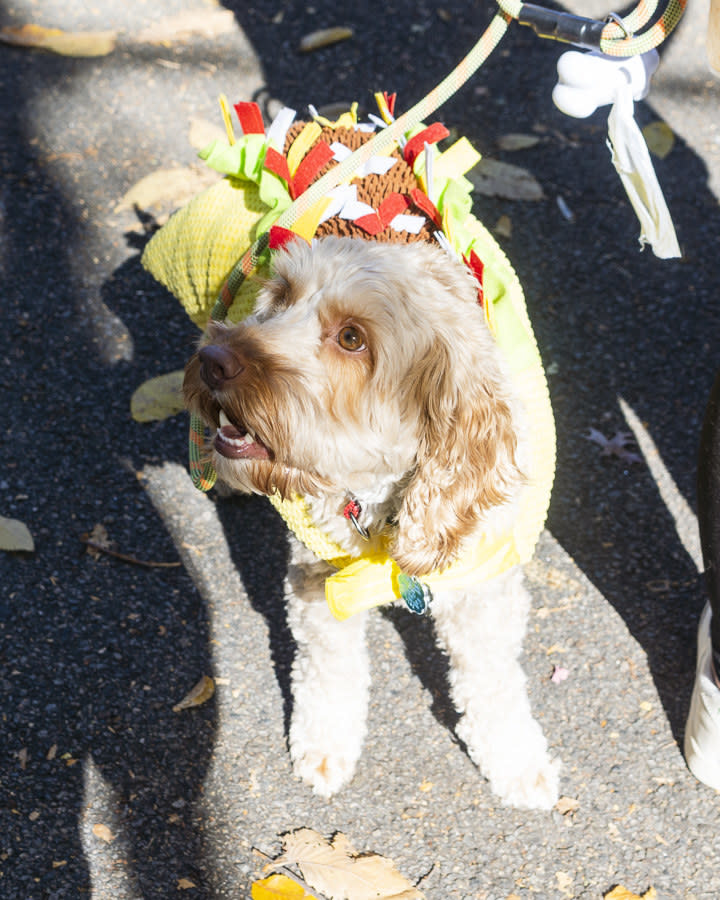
(237, 441)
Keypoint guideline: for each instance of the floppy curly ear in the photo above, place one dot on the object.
(466, 456)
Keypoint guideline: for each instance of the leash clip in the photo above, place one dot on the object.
(560, 26)
(352, 512)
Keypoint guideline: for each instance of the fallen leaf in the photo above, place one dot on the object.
(493, 178)
(200, 694)
(659, 137)
(210, 23)
(173, 187)
(203, 132)
(560, 674)
(622, 893)
(324, 38)
(103, 833)
(566, 805)
(279, 887)
(66, 43)
(158, 398)
(503, 227)
(512, 142)
(184, 884)
(15, 535)
(336, 869)
(615, 446)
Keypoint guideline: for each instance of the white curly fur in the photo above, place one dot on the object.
(367, 370)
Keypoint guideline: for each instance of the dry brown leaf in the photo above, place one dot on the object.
(512, 142)
(659, 137)
(622, 893)
(158, 398)
(103, 833)
(200, 694)
(336, 869)
(66, 43)
(499, 179)
(172, 188)
(209, 23)
(324, 38)
(15, 535)
(567, 805)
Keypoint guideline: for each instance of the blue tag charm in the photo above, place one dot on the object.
(416, 595)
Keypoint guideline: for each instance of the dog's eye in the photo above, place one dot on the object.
(351, 338)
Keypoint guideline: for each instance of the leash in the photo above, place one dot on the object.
(615, 37)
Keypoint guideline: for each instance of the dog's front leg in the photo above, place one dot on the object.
(330, 684)
(482, 633)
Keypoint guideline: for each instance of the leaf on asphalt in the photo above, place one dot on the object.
(279, 887)
(337, 870)
(15, 535)
(659, 137)
(210, 23)
(503, 227)
(158, 398)
(499, 179)
(66, 43)
(103, 833)
(200, 694)
(172, 188)
(614, 446)
(184, 884)
(622, 893)
(512, 142)
(324, 38)
(203, 132)
(567, 805)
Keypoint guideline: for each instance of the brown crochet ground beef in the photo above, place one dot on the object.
(372, 189)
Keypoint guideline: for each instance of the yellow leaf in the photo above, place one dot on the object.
(184, 884)
(323, 38)
(622, 893)
(210, 23)
(659, 137)
(15, 535)
(66, 43)
(503, 227)
(279, 887)
(173, 187)
(159, 398)
(200, 694)
(103, 833)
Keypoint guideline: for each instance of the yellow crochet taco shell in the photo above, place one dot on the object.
(193, 254)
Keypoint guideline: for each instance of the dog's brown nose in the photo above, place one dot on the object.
(219, 365)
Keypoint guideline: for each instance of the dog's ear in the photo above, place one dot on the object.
(466, 457)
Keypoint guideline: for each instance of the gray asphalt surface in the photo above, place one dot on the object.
(94, 653)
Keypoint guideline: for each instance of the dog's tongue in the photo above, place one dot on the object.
(235, 444)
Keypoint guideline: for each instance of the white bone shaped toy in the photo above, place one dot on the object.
(589, 80)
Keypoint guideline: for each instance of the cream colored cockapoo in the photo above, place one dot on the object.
(367, 373)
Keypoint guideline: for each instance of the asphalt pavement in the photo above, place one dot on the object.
(107, 792)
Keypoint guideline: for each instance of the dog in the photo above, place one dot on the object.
(368, 373)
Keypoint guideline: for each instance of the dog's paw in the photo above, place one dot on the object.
(324, 772)
(536, 787)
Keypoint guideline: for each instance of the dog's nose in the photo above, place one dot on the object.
(219, 365)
